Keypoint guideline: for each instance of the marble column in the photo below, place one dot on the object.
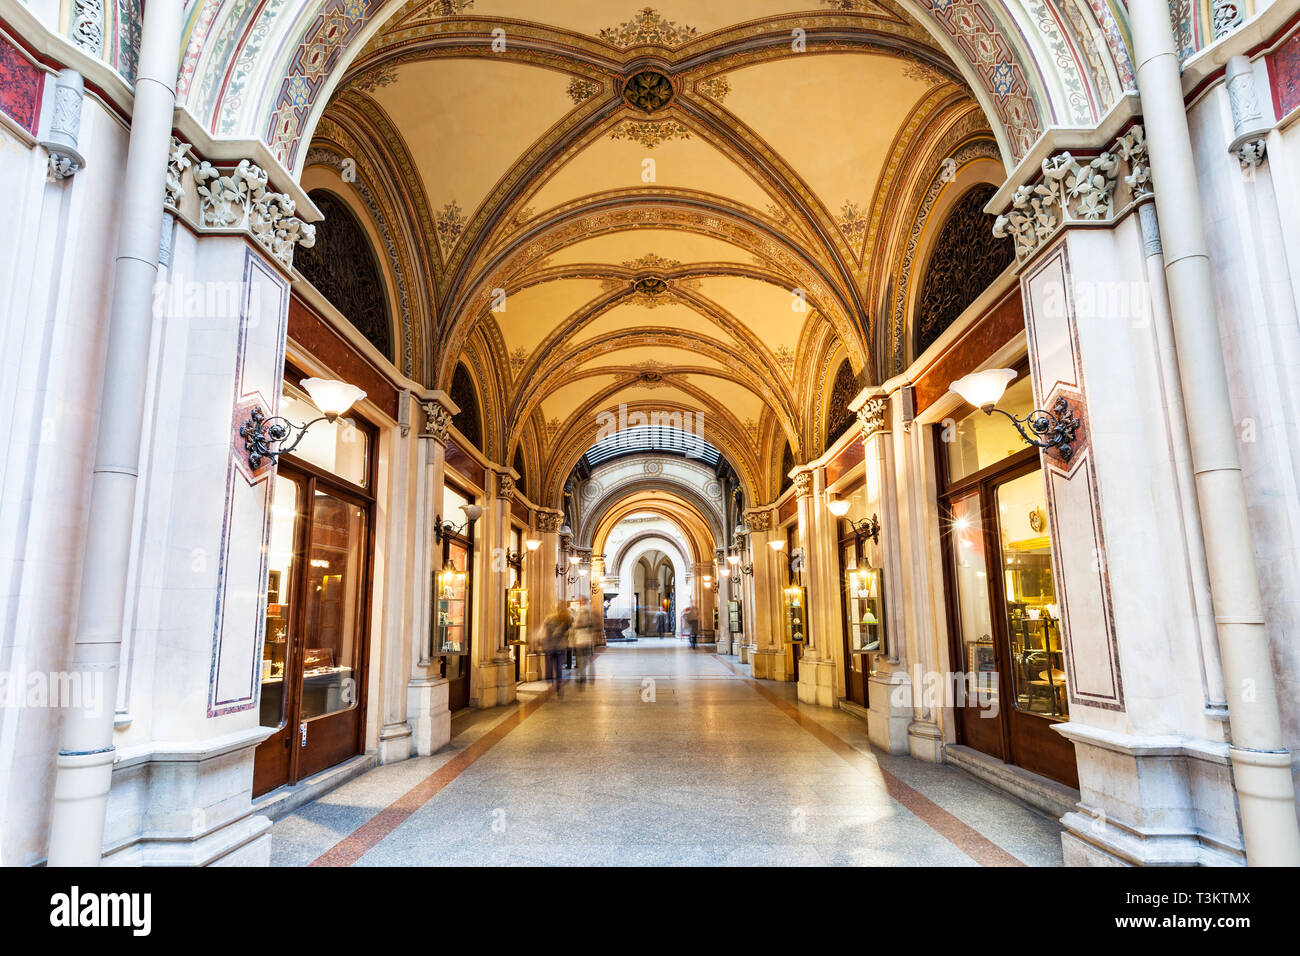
(769, 654)
(496, 671)
(889, 703)
(427, 708)
(820, 575)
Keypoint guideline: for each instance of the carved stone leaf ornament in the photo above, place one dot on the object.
(240, 200)
(1074, 191)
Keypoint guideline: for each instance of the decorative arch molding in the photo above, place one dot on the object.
(623, 479)
(713, 217)
(573, 439)
(629, 548)
(266, 68)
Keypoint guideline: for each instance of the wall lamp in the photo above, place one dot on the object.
(740, 568)
(332, 397)
(532, 544)
(1055, 429)
(795, 558)
(445, 529)
(866, 528)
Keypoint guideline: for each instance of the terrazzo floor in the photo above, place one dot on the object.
(670, 756)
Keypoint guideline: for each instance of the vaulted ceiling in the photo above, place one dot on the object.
(691, 207)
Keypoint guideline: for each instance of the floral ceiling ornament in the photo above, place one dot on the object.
(785, 357)
(240, 200)
(582, 89)
(650, 292)
(648, 134)
(1072, 191)
(853, 223)
(518, 359)
(450, 8)
(450, 223)
(372, 80)
(715, 88)
(647, 28)
(648, 91)
(650, 261)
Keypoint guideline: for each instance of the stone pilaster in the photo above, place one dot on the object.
(496, 671)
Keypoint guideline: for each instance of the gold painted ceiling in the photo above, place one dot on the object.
(693, 207)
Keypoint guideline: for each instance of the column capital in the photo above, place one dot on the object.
(803, 483)
(1064, 191)
(873, 416)
(549, 522)
(758, 520)
(438, 410)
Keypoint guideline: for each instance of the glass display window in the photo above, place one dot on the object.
(517, 615)
(735, 617)
(450, 594)
(1033, 619)
(795, 606)
(866, 611)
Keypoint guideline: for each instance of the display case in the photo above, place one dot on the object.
(517, 616)
(449, 609)
(735, 620)
(794, 604)
(866, 612)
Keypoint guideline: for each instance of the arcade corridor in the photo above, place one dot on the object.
(716, 769)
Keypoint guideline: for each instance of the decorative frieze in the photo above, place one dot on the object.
(437, 420)
(1073, 191)
(88, 25)
(1226, 16)
(240, 199)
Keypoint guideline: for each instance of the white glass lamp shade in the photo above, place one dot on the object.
(776, 545)
(331, 396)
(708, 579)
(733, 559)
(532, 544)
(725, 572)
(472, 512)
(984, 389)
(574, 559)
(838, 507)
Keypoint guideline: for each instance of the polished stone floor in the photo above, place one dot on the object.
(670, 756)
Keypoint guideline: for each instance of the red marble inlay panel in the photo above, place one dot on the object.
(21, 85)
(328, 347)
(458, 460)
(993, 330)
(787, 510)
(1284, 76)
(519, 510)
(849, 456)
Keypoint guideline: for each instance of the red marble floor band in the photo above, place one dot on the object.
(964, 837)
(367, 836)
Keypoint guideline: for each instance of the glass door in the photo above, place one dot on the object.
(314, 650)
(452, 643)
(855, 659)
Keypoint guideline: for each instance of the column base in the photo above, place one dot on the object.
(1151, 801)
(723, 645)
(395, 742)
(769, 664)
(534, 667)
(428, 715)
(925, 741)
(187, 804)
(745, 653)
(889, 711)
(817, 682)
(496, 683)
